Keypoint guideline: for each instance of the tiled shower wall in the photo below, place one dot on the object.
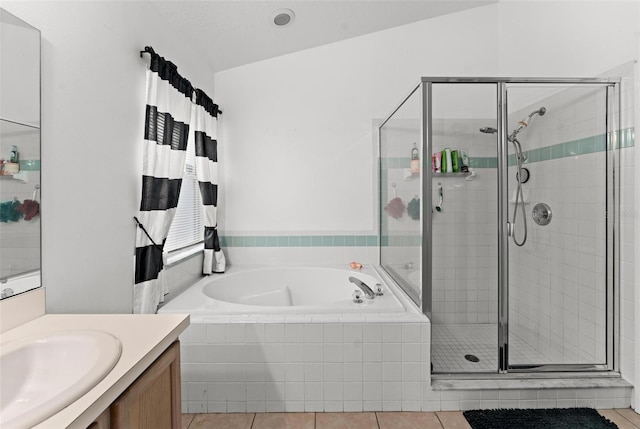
(558, 278)
(465, 252)
(464, 232)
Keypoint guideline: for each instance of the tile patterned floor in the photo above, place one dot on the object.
(450, 343)
(625, 418)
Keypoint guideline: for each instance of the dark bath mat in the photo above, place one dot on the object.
(554, 418)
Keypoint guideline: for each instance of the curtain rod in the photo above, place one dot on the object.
(149, 50)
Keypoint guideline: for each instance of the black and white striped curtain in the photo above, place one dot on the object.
(205, 123)
(167, 119)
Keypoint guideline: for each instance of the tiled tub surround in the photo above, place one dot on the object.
(305, 366)
(330, 360)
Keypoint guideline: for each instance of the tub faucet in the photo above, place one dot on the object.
(7, 292)
(366, 289)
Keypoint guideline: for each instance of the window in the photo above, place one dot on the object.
(187, 227)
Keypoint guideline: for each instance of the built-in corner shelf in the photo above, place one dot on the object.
(21, 176)
(440, 175)
(451, 174)
(408, 175)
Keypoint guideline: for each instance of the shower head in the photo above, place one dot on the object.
(541, 111)
(488, 130)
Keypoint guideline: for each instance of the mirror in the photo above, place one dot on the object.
(20, 155)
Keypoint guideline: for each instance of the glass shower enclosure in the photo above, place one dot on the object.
(498, 219)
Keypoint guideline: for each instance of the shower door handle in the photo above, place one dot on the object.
(509, 229)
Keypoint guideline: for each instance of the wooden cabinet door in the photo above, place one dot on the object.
(153, 400)
(102, 422)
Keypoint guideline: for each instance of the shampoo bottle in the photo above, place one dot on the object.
(415, 160)
(449, 169)
(443, 161)
(464, 161)
(13, 157)
(455, 161)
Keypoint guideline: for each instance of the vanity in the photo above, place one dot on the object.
(141, 390)
(93, 371)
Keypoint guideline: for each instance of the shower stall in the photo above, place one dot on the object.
(502, 226)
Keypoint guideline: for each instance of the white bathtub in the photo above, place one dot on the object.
(285, 290)
(21, 283)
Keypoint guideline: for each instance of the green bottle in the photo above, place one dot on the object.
(443, 162)
(455, 161)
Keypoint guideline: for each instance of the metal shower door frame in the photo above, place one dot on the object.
(613, 190)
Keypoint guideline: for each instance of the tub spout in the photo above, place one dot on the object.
(365, 289)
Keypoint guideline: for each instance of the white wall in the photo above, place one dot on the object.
(309, 114)
(565, 38)
(93, 89)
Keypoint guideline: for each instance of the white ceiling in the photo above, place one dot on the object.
(231, 33)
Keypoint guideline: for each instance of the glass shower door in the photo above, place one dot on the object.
(559, 198)
(464, 274)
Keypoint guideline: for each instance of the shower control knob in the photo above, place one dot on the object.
(357, 296)
(523, 175)
(379, 291)
(541, 214)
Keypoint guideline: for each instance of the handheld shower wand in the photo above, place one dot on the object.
(522, 174)
(524, 123)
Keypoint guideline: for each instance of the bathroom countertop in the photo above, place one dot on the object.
(144, 337)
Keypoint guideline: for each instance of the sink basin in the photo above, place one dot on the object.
(41, 375)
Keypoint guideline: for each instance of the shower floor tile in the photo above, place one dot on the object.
(450, 343)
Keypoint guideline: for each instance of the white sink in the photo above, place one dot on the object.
(41, 375)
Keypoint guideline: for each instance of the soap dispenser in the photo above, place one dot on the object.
(415, 159)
